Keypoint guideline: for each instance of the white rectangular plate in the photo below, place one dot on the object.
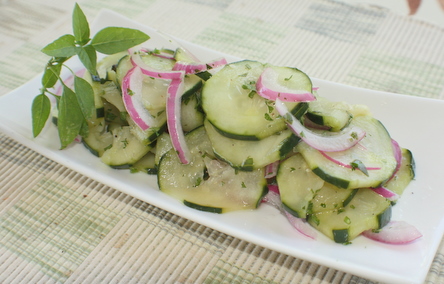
(416, 123)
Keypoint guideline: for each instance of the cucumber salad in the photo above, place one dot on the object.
(234, 136)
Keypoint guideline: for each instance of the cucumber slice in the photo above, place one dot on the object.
(366, 211)
(111, 93)
(235, 109)
(333, 115)
(375, 151)
(251, 155)
(150, 135)
(330, 197)
(106, 67)
(98, 139)
(297, 185)
(126, 149)
(405, 174)
(207, 183)
(192, 115)
(163, 145)
(146, 164)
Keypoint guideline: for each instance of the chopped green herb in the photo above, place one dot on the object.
(315, 219)
(198, 182)
(288, 118)
(125, 143)
(354, 135)
(347, 220)
(268, 117)
(358, 164)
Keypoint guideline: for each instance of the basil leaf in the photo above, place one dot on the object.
(80, 26)
(112, 40)
(88, 57)
(84, 130)
(41, 108)
(70, 117)
(64, 46)
(85, 97)
(52, 71)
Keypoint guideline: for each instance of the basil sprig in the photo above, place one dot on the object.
(76, 106)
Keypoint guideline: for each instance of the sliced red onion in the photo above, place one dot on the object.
(267, 86)
(132, 85)
(136, 60)
(301, 226)
(273, 188)
(398, 156)
(271, 170)
(395, 232)
(339, 141)
(349, 166)
(173, 112)
(78, 139)
(196, 67)
(386, 193)
(274, 199)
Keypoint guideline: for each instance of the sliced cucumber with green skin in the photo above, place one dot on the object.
(297, 185)
(106, 67)
(366, 211)
(112, 94)
(163, 145)
(146, 164)
(405, 174)
(375, 151)
(98, 139)
(235, 109)
(251, 155)
(207, 183)
(126, 149)
(151, 134)
(331, 197)
(192, 85)
(182, 55)
(113, 115)
(192, 115)
(329, 114)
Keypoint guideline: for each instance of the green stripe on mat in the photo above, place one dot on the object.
(242, 36)
(397, 74)
(342, 22)
(55, 228)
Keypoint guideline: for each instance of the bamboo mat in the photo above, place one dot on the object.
(57, 226)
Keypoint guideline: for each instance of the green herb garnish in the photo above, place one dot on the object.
(358, 164)
(76, 105)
